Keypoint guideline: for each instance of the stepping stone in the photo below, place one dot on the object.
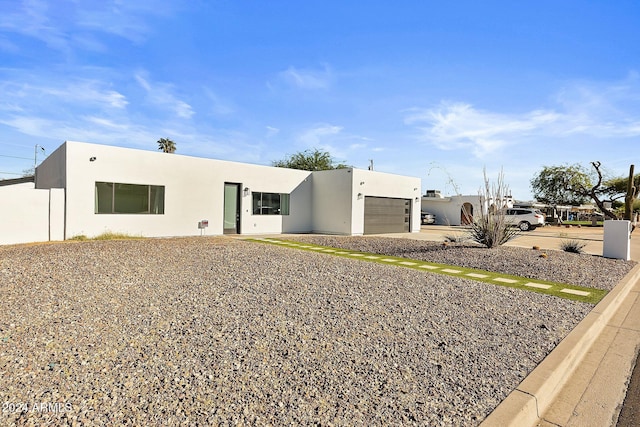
(538, 285)
(575, 292)
(505, 280)
(356, 254)
(372, 257)
(328, 250)
(429, 267)
(450, 270)
(408, 263)
(477, 275)
(315, 248)
(389, 260)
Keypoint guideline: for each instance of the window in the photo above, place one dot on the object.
(270, 204)
(115, 198)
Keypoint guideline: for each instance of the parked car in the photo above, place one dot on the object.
(428, 218)
(524, 218)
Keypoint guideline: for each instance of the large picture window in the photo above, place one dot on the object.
(270, 204)
(116, 198)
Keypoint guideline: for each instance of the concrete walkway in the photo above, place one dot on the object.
(584, 380)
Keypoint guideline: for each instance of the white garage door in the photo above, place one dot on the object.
(386, 215)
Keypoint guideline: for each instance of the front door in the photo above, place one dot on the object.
(231, 208)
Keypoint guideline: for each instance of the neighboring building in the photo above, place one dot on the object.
(451, 210)
(456, 210)
(154, 194)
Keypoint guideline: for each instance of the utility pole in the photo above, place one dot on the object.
(35, 156)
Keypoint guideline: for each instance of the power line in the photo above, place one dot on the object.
(10, 173)
(15, 157)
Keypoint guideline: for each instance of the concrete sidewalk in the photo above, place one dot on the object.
(583, 381)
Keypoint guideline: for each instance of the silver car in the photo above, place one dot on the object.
(524, 218)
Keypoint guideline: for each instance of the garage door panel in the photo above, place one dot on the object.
(386, 215)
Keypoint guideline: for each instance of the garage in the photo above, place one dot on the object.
(386, 215)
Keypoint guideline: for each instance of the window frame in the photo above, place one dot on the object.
(153, 205)
(284, 203)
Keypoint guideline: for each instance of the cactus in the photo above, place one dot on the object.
(630, 197)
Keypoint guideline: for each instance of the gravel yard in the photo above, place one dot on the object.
(559, 266)
(217, 331)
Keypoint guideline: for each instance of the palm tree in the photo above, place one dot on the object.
(166, 145)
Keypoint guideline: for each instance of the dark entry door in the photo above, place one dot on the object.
(231, 208)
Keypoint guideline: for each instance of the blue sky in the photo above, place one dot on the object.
(433, 89)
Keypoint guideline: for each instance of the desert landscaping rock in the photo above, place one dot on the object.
(217, 331)
(558, 266)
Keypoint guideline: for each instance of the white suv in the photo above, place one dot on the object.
(524, 218)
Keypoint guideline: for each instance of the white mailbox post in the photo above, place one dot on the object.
(617, 240)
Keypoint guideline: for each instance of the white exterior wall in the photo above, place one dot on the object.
(379, 184)
(194, 190)
(447, 209)
(332, 201)
(30, 215)
(322, 202)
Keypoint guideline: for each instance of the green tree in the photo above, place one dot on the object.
(309, 160)
(561, 185)
(573, 185)
(166, 145)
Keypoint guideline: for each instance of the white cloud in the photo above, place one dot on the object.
(454, 126)
(272, 131)
(307, 79)
(160, 94)
(218, 105)
(29, 94)
(593, 110)
(65, 25)
(315, 136)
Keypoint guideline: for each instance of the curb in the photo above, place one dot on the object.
(535, 394)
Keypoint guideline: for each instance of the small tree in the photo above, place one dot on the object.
(166, 145)
(561, 185)
(574, 185)
(309, 160)
(491, 228)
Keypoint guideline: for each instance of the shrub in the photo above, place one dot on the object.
(490, 228)
(456, 238)
(107, 235)
(573, 246)
(110, 235)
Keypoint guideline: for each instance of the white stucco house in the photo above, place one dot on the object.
(451, 210)
(458, 209)
(99, 188)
